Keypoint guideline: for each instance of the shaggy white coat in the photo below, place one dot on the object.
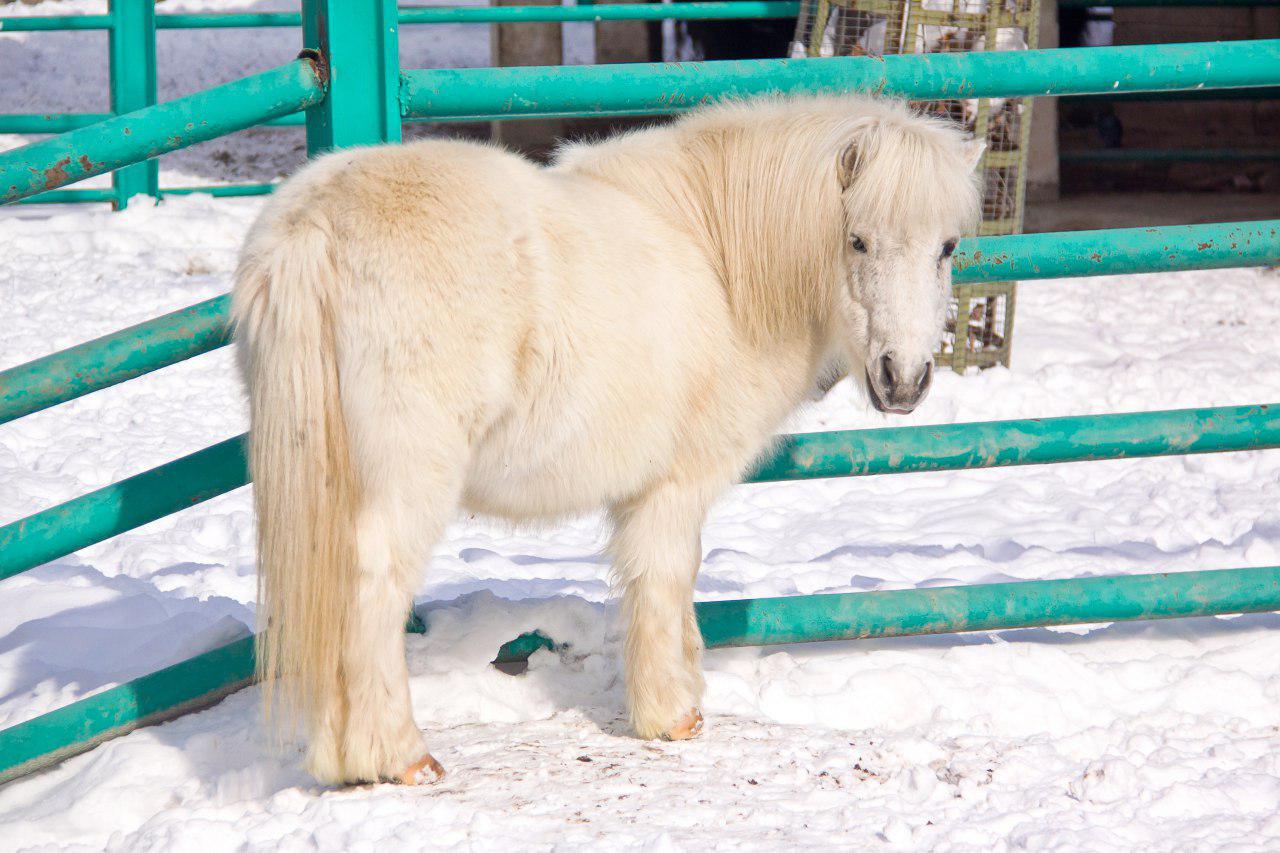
(439, 325)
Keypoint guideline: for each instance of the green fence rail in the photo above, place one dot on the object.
(207, 678)
(671, 87)
(152, 131)
(123, 506)
(114, 358)
(194, 683)
(356, 36)
(177, 336)
(53, 23)
(724, 10)
(220, 468)
(954, 609)
(1170, 155)
(74, 196)
(1164, 248)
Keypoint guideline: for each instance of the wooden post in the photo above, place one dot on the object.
(623, 41)
(1042, 153)
(527, 44)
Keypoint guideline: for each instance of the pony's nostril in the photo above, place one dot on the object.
(886, 370)
(926, 376)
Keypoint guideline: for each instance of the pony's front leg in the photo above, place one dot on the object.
(657, 546)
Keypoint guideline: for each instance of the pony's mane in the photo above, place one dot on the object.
(758, 182)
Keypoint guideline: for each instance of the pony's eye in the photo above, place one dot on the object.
(856, 243)
(948, 248)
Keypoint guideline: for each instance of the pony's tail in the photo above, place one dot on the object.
(304, 485)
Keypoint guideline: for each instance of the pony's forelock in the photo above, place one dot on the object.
(910, 173)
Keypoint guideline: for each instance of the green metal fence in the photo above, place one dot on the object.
(366, 102)
(131, 26)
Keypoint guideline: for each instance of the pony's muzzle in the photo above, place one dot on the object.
(896, 388)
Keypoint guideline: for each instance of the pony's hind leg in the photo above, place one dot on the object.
(382, 741)
(657, 546)
(411, 462)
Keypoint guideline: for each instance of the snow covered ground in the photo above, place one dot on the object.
(1159, 735)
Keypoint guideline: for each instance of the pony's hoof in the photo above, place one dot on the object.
(688, 726)
(424, 771)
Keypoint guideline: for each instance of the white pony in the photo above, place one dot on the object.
(444, 324)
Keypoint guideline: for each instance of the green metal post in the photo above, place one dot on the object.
(133, 86)
(358, 46)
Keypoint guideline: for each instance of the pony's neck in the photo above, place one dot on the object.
(767, 226)
(755, 185)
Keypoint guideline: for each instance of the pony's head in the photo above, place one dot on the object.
(908, 192)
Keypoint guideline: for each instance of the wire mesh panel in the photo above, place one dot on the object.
(980, 324)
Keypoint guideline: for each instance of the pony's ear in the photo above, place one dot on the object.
(847, 165)
(973, 152)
